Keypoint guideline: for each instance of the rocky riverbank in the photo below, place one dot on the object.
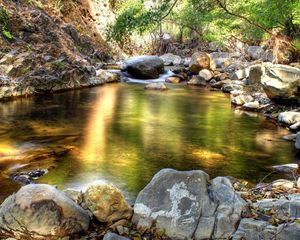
(174, 205)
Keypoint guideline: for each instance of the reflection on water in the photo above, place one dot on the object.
(124, 134)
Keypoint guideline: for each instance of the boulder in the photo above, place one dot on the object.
(40, 211)
(281, 82)
(197, 81)
(186, 206)
(144, 67)
(255, 52)
(107, 77)
(255, 73)
(171, 59)
(199, 61)
(289, 117)
(106, 202)
(206, 74)
(156, 86)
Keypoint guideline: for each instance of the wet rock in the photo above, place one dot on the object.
(106, 202)
(144, 67)
(41, 211)
(171, 59)
(280, 82)
(289, 117)
(185, 206)
(113, 236)
(197, 81)
(156, 86)
(28, 177)
(199, 61)
(108, 77)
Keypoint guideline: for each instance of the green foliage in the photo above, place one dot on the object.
(59, 64)
(251, 21)
(58, 6)
(134, 17)
(4, 19)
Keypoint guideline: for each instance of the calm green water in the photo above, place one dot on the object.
(124, 134)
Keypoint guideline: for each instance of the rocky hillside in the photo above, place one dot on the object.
(51, 45)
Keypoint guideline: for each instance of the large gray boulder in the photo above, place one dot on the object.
(251, 229)
(144, 67)
(41, 211)
(281, 82)
(186, 206)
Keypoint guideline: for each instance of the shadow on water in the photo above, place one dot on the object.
(124, 134)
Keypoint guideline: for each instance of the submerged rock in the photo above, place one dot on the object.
(106, 202)
(144, 67)
(41, 211)
(156, 86)
(186, 206)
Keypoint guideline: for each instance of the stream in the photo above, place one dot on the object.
(125, 134)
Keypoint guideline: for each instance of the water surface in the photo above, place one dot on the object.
(124, 134)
